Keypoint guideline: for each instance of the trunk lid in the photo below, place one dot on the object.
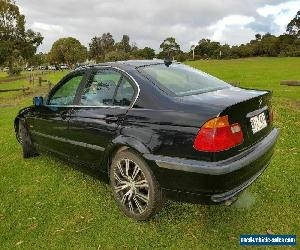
(251, 109)
(240, 105)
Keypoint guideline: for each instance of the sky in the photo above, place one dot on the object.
(149, 22)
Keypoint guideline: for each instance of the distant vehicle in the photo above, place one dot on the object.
(6, 69)
(42, 67)
(53, 67)
(30, 68)
(155, 128)
(64, 66)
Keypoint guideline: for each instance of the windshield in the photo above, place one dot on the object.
(183, 80)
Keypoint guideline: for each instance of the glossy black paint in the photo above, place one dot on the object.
(157, 124)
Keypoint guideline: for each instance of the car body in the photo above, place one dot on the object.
(160, 125)
(42, 67)
(30, 68)
(53, 67)
(64, 66)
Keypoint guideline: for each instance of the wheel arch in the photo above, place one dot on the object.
(16, 125)
(122, 143)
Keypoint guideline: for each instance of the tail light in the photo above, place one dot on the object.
(218, 135)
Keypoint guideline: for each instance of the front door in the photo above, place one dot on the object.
(100, 110)
(50, 125)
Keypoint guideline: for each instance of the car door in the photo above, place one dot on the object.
(101, 108)
(50, 124)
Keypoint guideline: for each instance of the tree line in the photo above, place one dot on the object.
(18, 46)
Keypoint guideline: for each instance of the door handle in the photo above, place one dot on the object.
(111, 119)
(64, 114)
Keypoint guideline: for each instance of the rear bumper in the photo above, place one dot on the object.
(214, 181)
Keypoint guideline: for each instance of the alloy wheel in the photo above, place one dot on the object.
(131, 186)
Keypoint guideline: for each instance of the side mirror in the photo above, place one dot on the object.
(38, 101)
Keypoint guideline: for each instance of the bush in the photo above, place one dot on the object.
(14, 71)
(181, 57)
(114, 56)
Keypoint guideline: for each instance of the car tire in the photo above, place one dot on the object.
(25, 141)
(134, 186)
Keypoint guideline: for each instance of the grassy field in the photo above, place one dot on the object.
(46, 203)
(16, 97)
(4, 75)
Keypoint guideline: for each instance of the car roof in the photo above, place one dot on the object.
(141, 63)
(124, 64)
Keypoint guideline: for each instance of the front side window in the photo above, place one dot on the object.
(183, 80)
(65, 95)
(101, 88)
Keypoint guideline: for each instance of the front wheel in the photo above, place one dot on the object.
(135, 188)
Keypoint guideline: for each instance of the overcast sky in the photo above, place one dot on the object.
(149, 22)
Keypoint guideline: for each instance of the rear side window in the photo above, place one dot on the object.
(107, 88)
(125, 93)
(183, 80)
(101, 88)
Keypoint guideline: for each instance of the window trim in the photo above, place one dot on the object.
(131, 81)
(87, 73)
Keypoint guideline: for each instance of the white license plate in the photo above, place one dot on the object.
(258, 122)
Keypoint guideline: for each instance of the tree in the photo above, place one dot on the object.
(96, 51)
(169, 47)
(145, 53)
(225, 51)
(124, 44)
(67, 50)
(16, 43)
(208, 49)
(36, 60)
(258, 37)
(116, 56)
(107, 42)
(293, 28)
(269, 45)
(100, 46)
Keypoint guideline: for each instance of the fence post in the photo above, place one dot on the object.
(30, 78)
(40, 81)
(49, 84)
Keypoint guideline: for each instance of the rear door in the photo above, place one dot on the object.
(99, 111)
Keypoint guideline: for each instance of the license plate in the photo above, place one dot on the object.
(258, 122)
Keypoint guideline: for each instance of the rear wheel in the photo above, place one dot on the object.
(25, 141)
(134, 186)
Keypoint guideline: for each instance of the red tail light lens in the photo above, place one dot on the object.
(218, 135)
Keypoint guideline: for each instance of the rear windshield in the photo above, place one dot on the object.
(183, 80)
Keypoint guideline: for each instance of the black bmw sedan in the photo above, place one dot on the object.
(156, 129)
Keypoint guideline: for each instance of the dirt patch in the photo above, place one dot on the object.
(12, 79)
(8, 105)
(294, 105)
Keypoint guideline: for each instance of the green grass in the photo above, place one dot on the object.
(16, 97)
(3, 75)
(47, 203)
